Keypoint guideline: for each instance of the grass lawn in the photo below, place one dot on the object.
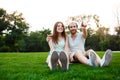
(32, 66)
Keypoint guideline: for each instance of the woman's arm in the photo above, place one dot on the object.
(67, 49)
(48, 37)
(50, 43)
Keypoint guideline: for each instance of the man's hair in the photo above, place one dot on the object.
(73, 22)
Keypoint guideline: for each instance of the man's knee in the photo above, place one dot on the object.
(91, 50)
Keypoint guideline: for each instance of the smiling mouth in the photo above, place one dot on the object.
(73, 30)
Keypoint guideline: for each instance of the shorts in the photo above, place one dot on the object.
(72, 57)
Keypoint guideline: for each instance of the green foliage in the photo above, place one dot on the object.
(101, 40)
(14, 34)
(104, 44)
(29, 43)
(117, 29)
(36, 41)
(32, 66)
(21, 45)
(114, 42)
(3, 22)
(13, 28)
(4, 48)
(92, 42)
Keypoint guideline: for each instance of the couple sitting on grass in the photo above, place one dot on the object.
(67, 49)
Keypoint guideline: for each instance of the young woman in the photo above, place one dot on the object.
(58, 43)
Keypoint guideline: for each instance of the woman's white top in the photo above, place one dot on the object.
(60, 46)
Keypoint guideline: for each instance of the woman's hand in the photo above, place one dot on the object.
(48, 38)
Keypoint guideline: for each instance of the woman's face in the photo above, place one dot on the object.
(59, 28)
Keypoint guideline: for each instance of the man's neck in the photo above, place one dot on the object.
(74, 35)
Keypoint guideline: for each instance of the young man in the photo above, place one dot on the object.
(78, 53)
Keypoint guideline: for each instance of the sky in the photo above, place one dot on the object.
(44, 13)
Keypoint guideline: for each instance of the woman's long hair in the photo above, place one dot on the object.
(55, 33)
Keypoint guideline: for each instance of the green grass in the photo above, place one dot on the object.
(32, 66)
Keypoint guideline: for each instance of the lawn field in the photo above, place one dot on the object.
(32, 66)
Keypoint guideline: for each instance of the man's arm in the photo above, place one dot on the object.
(83, 26)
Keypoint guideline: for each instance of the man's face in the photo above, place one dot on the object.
(73, 28)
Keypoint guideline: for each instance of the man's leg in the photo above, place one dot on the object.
(97, 56)
(93, 58)
(81, 58)
(106, 58)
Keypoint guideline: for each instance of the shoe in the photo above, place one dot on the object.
(54, 60)
(106, 58)
(93, 59)
(64, 61)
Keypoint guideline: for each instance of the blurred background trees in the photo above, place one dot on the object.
(99, 37)
(15, 35)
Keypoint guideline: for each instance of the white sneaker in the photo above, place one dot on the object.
(64, 61)
(90, 62)
(93, 59)
(54, 60)
(106, 58)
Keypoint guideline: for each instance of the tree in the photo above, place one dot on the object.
(92, 42)
(17, 30)
(36, 41)
(117, 15)
(4, 23)
(13, 27)
(88, 19)
(102, 32)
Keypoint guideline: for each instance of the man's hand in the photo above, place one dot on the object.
(83, 24)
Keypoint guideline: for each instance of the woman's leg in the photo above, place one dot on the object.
(54, 60)
(64, 60)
